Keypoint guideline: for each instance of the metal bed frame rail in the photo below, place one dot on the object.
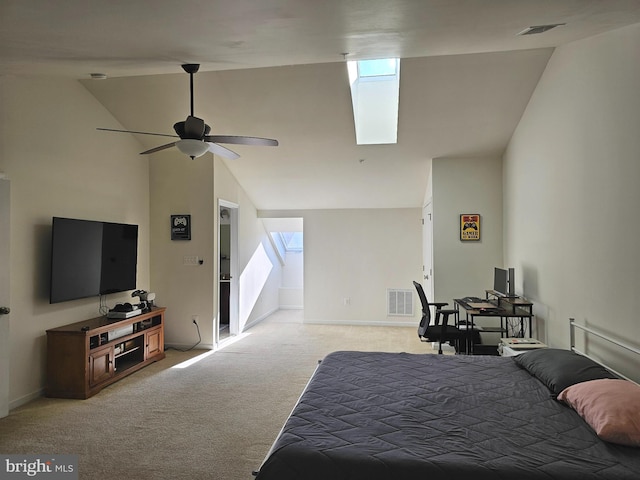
(572, 329)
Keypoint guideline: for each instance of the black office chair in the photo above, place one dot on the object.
(440, 331)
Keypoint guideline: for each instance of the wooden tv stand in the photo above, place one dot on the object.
(84, 357)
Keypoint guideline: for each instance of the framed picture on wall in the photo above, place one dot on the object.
(469, 227)
(180, 227)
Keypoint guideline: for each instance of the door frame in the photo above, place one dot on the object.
(5, 260)
(234, 294)
(427, 250)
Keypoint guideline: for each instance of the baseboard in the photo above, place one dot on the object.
(188, 346)
(364, 323)
(18, 402)
(259, 319)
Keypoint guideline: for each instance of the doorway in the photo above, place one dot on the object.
(287, 239)
(4, 296)
(227, 324)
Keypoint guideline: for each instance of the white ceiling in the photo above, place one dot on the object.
(275, 68)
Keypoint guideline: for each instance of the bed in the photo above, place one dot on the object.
(374, 416)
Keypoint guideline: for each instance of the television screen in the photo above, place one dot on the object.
(90, 258)
(500, 280)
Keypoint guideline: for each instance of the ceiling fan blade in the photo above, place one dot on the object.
(194, 128)
(157, 149)
(241, 140)
(133, 131)
(222, 151)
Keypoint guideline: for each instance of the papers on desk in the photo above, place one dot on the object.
(479, 305)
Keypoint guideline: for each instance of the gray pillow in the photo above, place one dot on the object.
(559, 369)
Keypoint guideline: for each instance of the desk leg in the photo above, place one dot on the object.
(470, 335)
(467, 339)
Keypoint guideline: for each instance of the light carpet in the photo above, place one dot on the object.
(214, 417)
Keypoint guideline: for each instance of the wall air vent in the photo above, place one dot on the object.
(400, 303)
(534, 30)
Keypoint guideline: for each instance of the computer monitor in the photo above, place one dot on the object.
(500, 280)
(504, 281)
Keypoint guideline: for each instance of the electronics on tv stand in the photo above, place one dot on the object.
(123, 310)
(123, 315)
(146, 300)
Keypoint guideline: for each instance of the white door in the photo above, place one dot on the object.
(4, 297)
(427, 251)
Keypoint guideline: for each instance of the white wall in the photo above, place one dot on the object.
(259, 287)
(5, 282)
(571, 190)
(356, 254)
(293, 270)
(472, 185)
(59, 165)
(291, 292)
(181, 185)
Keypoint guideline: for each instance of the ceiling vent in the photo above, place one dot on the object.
(534, 30)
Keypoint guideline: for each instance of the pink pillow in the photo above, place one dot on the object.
(610, 407)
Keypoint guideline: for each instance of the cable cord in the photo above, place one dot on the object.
(195, 344)
(103, 309)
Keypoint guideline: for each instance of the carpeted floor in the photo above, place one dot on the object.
(214, 417)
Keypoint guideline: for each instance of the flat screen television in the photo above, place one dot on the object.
(91, 258)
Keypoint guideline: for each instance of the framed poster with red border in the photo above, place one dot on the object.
(469, 227)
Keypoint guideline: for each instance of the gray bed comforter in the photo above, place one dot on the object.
(373, 415)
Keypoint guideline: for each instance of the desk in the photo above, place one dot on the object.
(516, 305)
(505, 309)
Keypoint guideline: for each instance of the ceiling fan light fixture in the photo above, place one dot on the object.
(193, 148)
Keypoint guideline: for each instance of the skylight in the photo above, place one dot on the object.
(375, 94)
(378, 68)
(290, 241)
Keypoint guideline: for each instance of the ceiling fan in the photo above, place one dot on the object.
(193, 133)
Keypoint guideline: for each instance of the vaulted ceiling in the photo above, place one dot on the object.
(276, 68)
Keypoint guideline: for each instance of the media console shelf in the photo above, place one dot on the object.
(84, 357)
